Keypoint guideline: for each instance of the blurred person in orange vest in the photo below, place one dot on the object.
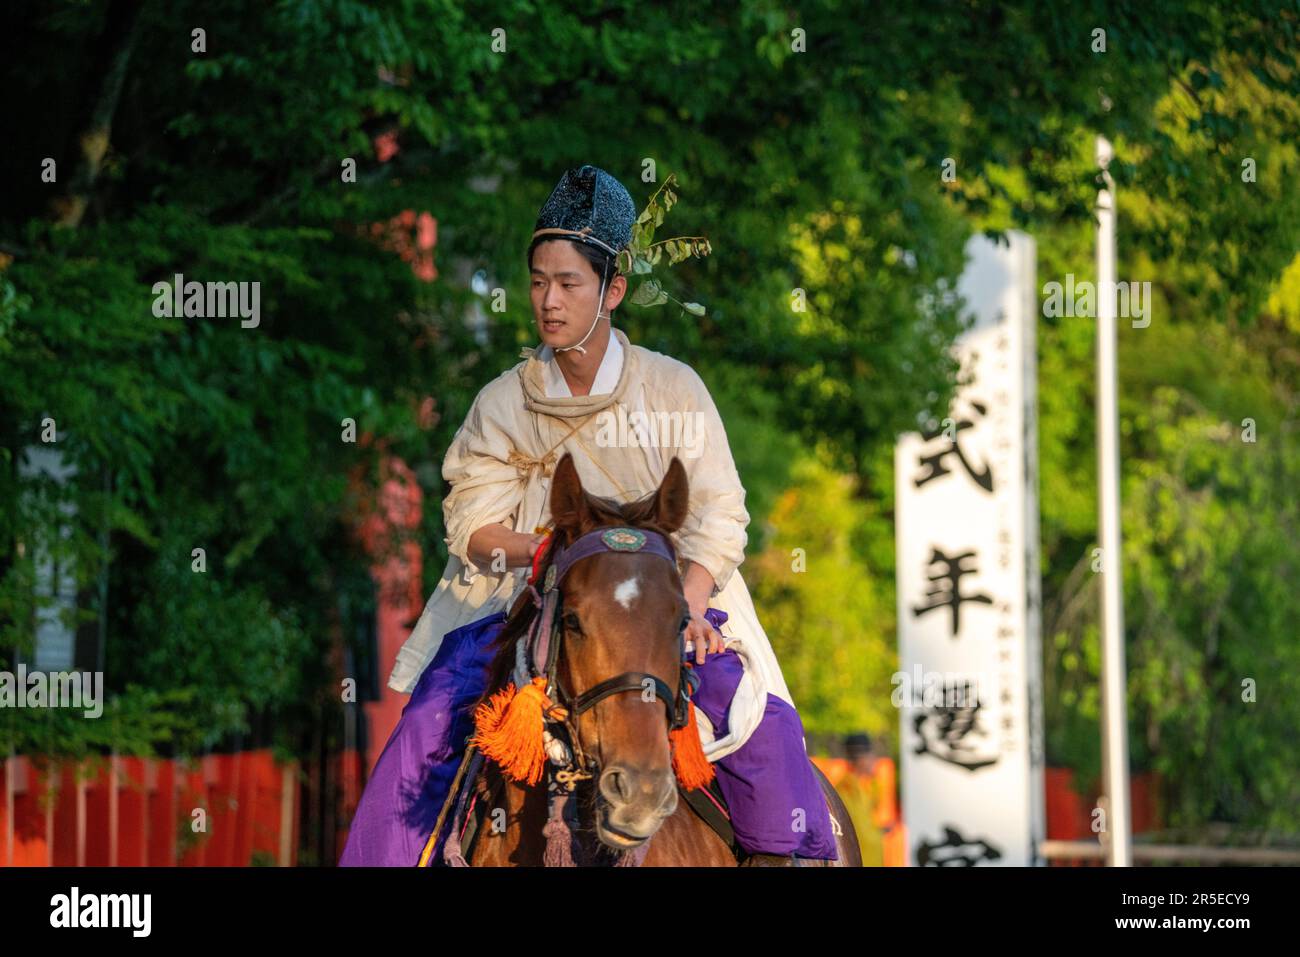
(879, 771)
(867, 784)
(882, 773)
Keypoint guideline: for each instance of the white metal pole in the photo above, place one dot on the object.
(1117, 835)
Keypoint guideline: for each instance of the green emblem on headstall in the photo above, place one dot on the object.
(624, 539)
(549, 581)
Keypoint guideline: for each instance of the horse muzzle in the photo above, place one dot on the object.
(632, 804)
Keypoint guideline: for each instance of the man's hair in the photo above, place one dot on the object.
(602, 263)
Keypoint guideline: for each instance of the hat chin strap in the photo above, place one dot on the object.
(595, 322)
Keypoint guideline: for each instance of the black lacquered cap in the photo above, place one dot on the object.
(588, 205)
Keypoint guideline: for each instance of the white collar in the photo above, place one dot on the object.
(611, 367)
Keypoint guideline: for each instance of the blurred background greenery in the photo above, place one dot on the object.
(817, 170)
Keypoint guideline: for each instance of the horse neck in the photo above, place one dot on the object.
(522, 843)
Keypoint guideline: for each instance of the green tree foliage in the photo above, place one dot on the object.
(828, 613)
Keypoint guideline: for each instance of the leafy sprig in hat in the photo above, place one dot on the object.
(642, 254)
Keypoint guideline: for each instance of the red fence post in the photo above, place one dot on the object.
(132, 813)
(68, 829)
(97, 785)
(163, 811)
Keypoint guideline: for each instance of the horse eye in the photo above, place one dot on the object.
(571, 622)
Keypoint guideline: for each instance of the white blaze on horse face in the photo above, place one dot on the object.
(627, 592)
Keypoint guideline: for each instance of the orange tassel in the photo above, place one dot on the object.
(691, 766)
(508, 729)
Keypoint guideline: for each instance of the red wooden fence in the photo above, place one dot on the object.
(136, 812)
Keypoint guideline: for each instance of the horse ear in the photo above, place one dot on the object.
(672, 501)
(569, 508)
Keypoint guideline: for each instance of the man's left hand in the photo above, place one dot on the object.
(705, 637)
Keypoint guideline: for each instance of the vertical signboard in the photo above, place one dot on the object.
(969, 609)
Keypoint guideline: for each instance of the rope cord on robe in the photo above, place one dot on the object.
(546, 461)
(595, 460)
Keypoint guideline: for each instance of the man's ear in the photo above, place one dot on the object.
(672, 500)
(569, 508)
(615, 293)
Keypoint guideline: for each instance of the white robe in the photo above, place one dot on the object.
(499, 465)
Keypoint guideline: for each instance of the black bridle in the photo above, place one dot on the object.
(539, 650)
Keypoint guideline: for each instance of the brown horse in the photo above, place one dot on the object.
(633, 797)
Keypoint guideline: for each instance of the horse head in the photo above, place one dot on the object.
(603, 638)
(623, 613)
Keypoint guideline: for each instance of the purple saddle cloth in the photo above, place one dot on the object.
(411, 780)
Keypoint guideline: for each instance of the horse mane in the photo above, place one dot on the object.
(603, 511)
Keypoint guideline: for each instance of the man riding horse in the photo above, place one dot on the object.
(563, 401)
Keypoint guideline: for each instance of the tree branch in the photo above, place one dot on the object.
(118, 41)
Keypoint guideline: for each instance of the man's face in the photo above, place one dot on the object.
(565, 289)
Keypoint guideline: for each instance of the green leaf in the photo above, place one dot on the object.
(650, 293)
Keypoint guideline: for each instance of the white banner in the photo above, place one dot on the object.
(969, 606)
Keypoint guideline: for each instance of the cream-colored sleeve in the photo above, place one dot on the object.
(714, 533)
(485, 487)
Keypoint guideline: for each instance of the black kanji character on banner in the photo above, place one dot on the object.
(945, 590)
(955, 851)
(934, 463)
(943, 731)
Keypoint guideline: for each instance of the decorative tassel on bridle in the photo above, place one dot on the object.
(690, 765)
(509, 726)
